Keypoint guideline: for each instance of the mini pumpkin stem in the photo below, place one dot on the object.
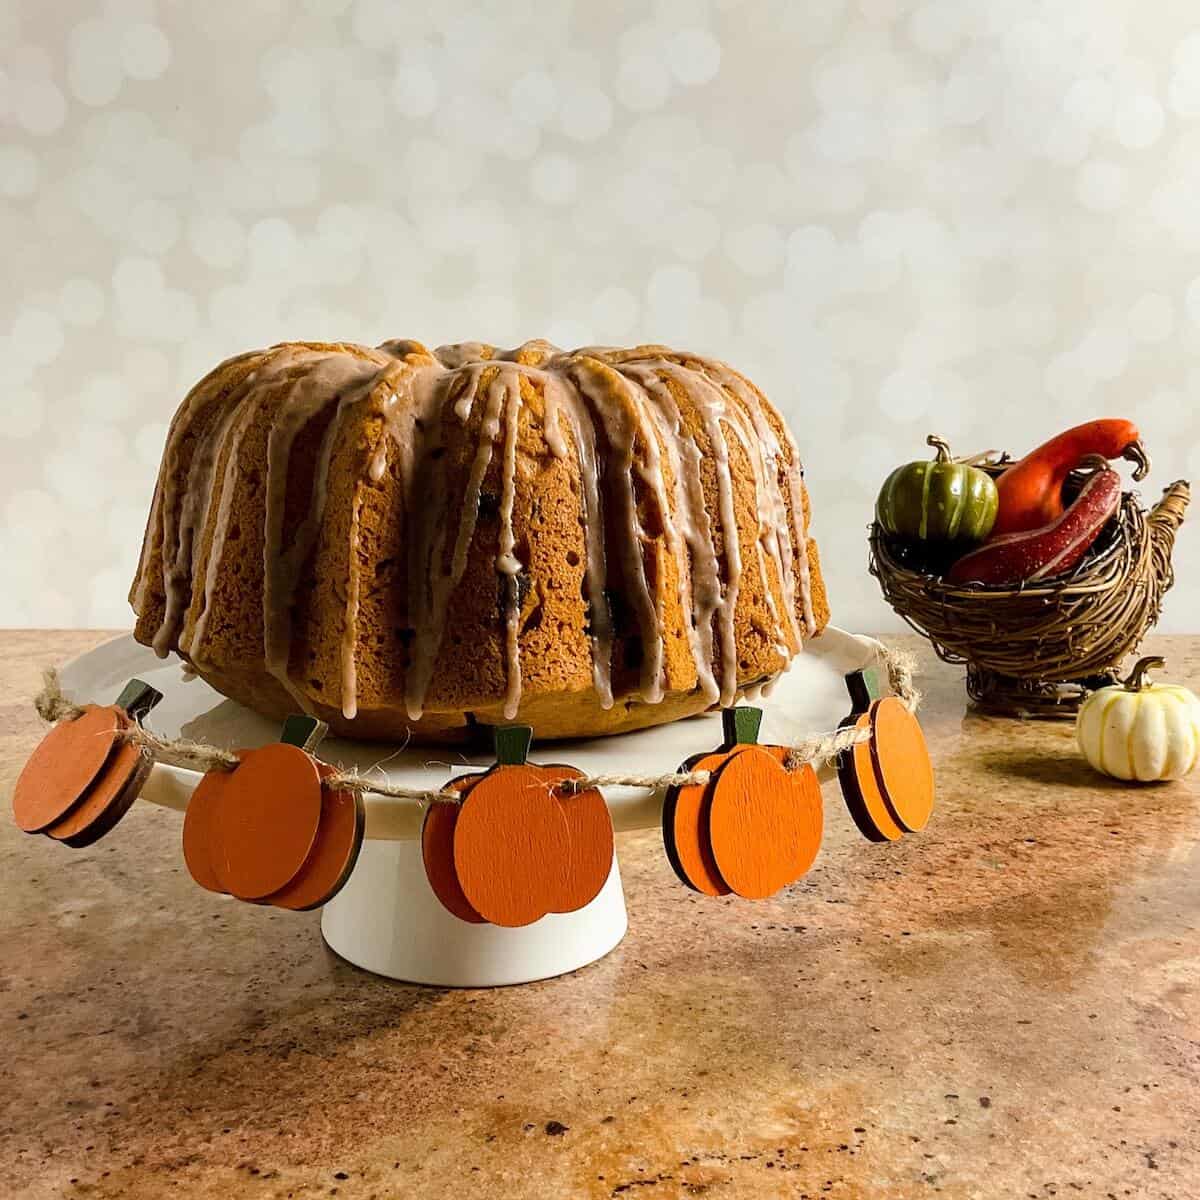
(512, 744)
(942, 447)
(1136, 680)
(741, 726)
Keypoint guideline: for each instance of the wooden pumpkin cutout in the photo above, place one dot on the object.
(437, 852)
(83, 776)
(269, 813)
(512, 842)
(119, 783)
(66, 762)
(860, 788)
(900, 758)
(765, 821)
(201, 836)
(685, 827)
(743, 731)
(590, 827)
(109, 798)
(334, 854)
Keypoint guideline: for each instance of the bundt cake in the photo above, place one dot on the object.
(412, 542)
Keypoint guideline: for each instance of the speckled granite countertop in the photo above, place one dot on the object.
(1004, 1006)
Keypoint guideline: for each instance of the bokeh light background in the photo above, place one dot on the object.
(896, 215)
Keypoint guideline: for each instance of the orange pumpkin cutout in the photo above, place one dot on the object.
(107, 800)
(269, 814)
(685, 827)
(589, 824)
(66, 762)
(119, 783)
(860, 789)
(765, 821)
(814, 805)
(334, 854)
(200, 830)
(437, 852)
(83, 777)
(900, 758)
(512, 841)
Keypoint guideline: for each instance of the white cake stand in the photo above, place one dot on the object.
(387, 919)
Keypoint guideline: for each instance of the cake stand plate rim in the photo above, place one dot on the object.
(98, 675)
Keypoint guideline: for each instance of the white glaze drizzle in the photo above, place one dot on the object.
(561, 398)
(235, 424)
(181, 509)
(793, 550)
(336, 377)
(791, 558)
(349, 642)
(508, 566)
(701, 586)
(600, 384)
(622, 393)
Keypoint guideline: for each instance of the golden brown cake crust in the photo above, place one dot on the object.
(412, 542)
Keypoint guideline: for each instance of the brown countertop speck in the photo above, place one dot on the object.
(1007, 1005)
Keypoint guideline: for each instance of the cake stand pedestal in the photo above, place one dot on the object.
(387, 920)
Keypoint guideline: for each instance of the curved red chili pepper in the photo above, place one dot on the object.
(1052, 550)
(1031, 490)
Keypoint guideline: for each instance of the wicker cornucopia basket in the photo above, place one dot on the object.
(1035, 651)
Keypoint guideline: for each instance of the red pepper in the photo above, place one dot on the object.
(1031, 490)
(1053, 550)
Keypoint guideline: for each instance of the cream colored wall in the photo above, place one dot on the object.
(972, 217)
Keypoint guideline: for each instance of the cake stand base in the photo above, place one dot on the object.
(387, 920)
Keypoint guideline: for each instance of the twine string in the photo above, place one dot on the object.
(53, 706)
(652, 782)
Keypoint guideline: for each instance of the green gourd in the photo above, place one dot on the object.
(942, 501)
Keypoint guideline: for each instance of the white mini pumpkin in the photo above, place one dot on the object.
(1139, 730)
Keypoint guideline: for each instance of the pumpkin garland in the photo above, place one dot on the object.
(506, 846)
(901, 762)
(267, 821)
(335, 851)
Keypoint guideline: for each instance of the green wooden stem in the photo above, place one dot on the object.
(303, 731)
(865, 687)
(512, 744)
(741, 725)
(138, 698)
